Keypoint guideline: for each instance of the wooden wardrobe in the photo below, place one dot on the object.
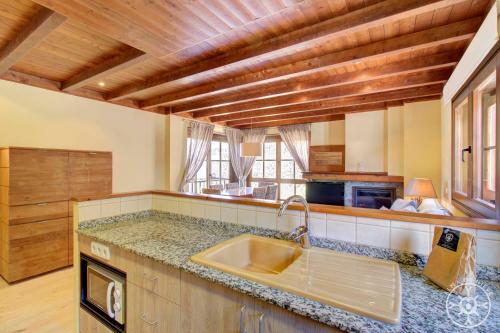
(36, 187)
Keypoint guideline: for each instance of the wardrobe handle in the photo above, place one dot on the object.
(261, 323)
(150, 323)
(242, 319)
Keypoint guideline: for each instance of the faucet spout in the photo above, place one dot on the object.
(301, 233)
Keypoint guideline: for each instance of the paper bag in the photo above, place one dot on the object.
(452, 261)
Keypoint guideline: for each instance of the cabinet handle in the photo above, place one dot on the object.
(242, 319)
(153, 279)
(92, 153)
(261, 323)
(42, 204)
(150, 323)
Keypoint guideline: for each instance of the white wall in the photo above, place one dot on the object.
(175, 151)
(328, 133)
(35, 117)
(394, 138)
(365, 141)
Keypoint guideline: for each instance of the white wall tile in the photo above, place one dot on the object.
(144, 203)
(341, 218)
(157, 202)
(410, 226)
(488, 252)
(110, 201)
(266, 219)
(318, 227)
(376, 222)
(197, 209)
(128, 206)
(247, 217)
(344, 231)
(229, 213)
(90, 203)
(288, 222)
(172, 206)
(212, 212)
(410, 240)
(318, 216)
(488, 234)
(372, 235)
(212, 203)
(184, 207)
(86, 213)
(110, 209)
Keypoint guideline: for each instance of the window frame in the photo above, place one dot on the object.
(278, 180)
(471, 203)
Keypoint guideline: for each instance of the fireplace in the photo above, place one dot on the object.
(373, 197)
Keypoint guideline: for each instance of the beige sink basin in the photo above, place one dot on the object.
(367, 286)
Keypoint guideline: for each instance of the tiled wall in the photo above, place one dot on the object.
(399, 235)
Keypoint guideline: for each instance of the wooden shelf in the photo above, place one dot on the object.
(379, 177)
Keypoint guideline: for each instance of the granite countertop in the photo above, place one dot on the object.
(172, 239)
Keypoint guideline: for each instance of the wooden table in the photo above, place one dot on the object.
(243, 192)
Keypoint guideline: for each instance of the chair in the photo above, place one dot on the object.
(272, 192)
(211, 191)
(262, 184)
(219, 187)
(259, 192)
(232, 185)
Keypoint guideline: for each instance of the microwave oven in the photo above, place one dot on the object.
(103, 292)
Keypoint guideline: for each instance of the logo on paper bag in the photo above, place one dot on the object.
(449, 239)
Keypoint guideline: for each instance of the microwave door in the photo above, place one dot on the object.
(100, 290)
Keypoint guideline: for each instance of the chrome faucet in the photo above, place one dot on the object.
(301, 233)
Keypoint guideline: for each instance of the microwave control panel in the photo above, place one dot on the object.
(100, 250)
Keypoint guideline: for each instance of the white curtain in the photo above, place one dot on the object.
(242, 165)
(297, 141)
(199, 146)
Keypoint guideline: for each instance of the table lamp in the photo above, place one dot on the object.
(420, 188)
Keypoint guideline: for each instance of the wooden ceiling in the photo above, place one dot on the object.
(240, 63)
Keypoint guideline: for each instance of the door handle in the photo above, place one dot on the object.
(111, 314)
(242, 319)
(468, 149)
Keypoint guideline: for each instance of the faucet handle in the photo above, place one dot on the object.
(297, 233)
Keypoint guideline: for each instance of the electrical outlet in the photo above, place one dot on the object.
(100, 250)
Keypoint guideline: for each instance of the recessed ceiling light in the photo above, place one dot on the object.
(102, 84)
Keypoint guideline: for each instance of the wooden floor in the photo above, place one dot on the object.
(42, 305)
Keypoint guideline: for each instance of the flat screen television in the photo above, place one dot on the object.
(326, 193)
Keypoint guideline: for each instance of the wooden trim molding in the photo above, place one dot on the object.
(452, 221)
(353, 177)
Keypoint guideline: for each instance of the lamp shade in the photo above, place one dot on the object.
(421, 187)
(250, 149)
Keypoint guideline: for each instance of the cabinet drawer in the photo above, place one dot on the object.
(37, 175)
(148, 312)
(158, 278)
(89, 324)
(37, 247)
(71, 236)
(37, 212)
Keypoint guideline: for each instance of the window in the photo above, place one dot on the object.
(475, 153)
(216, 168)
(276, 165)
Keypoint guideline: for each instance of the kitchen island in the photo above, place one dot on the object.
(171, 239)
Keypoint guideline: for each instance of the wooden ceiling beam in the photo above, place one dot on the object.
(307, 120)
(43, 23)
(377, 14)
(458, 31)
(314, 113)
(106, 68)
(308, 83)
(353, 89)
(395, 95)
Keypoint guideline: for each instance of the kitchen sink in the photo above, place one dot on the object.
(364, 285)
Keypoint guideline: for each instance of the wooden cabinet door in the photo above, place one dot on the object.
(90, 173)
(150, 313)
(89, 324)
(37, 175)
(209, 307)
(37, 247)
(270, 318)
